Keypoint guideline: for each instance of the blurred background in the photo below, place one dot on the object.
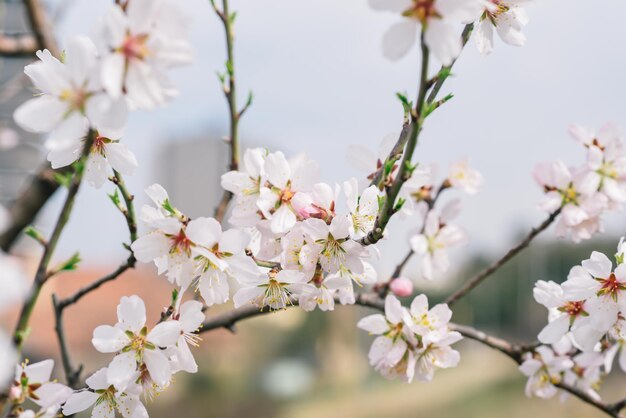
(320, 83)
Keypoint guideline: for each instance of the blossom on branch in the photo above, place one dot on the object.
(508, 18)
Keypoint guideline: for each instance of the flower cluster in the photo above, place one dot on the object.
(92, 87)
(585, 192)
(411, 343)
(32, 383)
(145, 359)
(585, 329)
(439, 20)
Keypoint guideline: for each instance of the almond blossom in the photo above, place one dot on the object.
(508, 18)
(432, 245)
(363, 208)
(139, 42)
(284, 180)
(437, 19)
(190, 315)
(245, 185)
(219, 255)
(33, 381)
(464, 178)
(106, 399)
(580, 213)
(544, 368)
(135, 345)
(273, 290)
(106, 154)
(71, 94)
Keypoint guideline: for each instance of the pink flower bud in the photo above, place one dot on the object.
(401, 287)
(15, 392)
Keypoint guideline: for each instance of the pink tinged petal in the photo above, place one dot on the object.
(374, 324)
(235, 181)
(614, 190)
(141, 15)
(283, 220)
(549, 294)
(41, 114)
(399, 39)
(419, 306)
(37, 372)
(158, 366)
(396, 352)
(484, 37)
(419, 244)
(165, 334)
(579, 284)
(97, 170)
(51, 394)
(581, 134)
(443, 40)
(393, 309)
(112, 73)
(290, 276)
(131, 313)
(185, 357)
(81, 58)
(246, 295)
(553, 332)
(340, 227)
(115, 26)
(379, 349)
(277, 169)
(121, 158)
(79, 401)
(204, 231)
(151, 246)
(191, 316)
(598, 265)
(509, 30)
(108, 339)
(442, 312)
(98, 380)
(530, 366)
(62, 157)
(122, 369)
(157, 194)
(234, 241)
(107, 115)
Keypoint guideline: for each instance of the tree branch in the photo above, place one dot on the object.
(478, 278)
(40, 25)
(229, 319)
(230, 92)
(42, 274)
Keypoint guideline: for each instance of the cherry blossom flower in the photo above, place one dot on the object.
(392, 341)
(363, 209)
(106, 399)
(336, 251)
(464, 178)
(433, 243)
(544, 369)
(273, 290)
(425, 321)
(564, 314)
(246, 186)
(437, 18)
(603, 289)
(190, 316)
(139, 43)
(580, 214)
(585, 375)
(71, 93)
(135, 345)
(285, 179)
(508, 18)
(319, 203)
(106, 154)
(32, 381)
(173, 238)
(435, 353)
(219, 255)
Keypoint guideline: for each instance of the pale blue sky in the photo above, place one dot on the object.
(321, 83)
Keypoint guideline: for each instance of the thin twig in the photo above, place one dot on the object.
(42, 274)
(478, 278)
(229, 86)
(72, 374)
